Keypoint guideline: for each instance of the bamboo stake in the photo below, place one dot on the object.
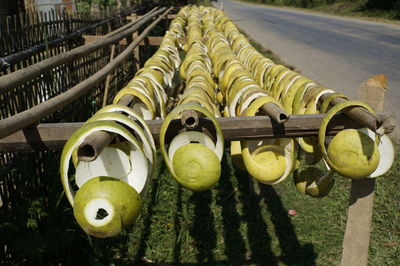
(107, 85)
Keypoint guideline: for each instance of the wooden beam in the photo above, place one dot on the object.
(133, 17)
(42, 137)
(150, 40)
(93, 38)
(54, 136)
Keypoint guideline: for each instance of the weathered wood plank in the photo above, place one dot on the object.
(53, 136)
(133, 17)
(150, 40)
(358, 226)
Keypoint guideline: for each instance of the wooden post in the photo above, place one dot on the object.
(359, 216)
(136, 55)
(107, 84)
(358, 226)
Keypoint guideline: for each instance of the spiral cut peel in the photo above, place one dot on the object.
(107, 193)
(223, 75)
(193, 157)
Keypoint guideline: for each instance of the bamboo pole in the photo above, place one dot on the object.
(190, 119)
(27, 117)
(275, 112)
(361, 115)
(136, 51)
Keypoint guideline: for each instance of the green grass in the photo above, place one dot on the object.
(244, 223)
(238, 222)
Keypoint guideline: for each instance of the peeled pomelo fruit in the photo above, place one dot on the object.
(351, 153)
(314, 182)
(192, 144)
(105, 205)
(354, 153)
(196, 166)
(274, 161)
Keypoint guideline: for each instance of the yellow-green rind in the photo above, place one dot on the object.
(122, 197)
(196, 167)
(175, 114)
(349, 169)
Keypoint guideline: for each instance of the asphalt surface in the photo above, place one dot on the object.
(339, 53)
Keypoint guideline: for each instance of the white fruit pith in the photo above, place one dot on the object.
(98, 212)
(110, 162)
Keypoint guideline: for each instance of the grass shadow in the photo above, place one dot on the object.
(177, 247)
(292, 252)
(235, 248)
(203, 229)
(151, 201)
(257, 234)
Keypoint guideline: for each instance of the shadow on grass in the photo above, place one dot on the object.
(255, 230)
(235, 248)
(203, 229)
(292, 252)
(177, 247)
(152, 194)
(257, 235)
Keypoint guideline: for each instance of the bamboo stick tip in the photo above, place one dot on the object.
(275, 112)
(283, 118)
(190, 119)
(87, 153)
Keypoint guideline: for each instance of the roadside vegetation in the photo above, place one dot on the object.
(388, 9)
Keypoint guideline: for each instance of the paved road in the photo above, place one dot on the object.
(339, 53)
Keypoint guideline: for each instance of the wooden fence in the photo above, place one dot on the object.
(28, 39)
